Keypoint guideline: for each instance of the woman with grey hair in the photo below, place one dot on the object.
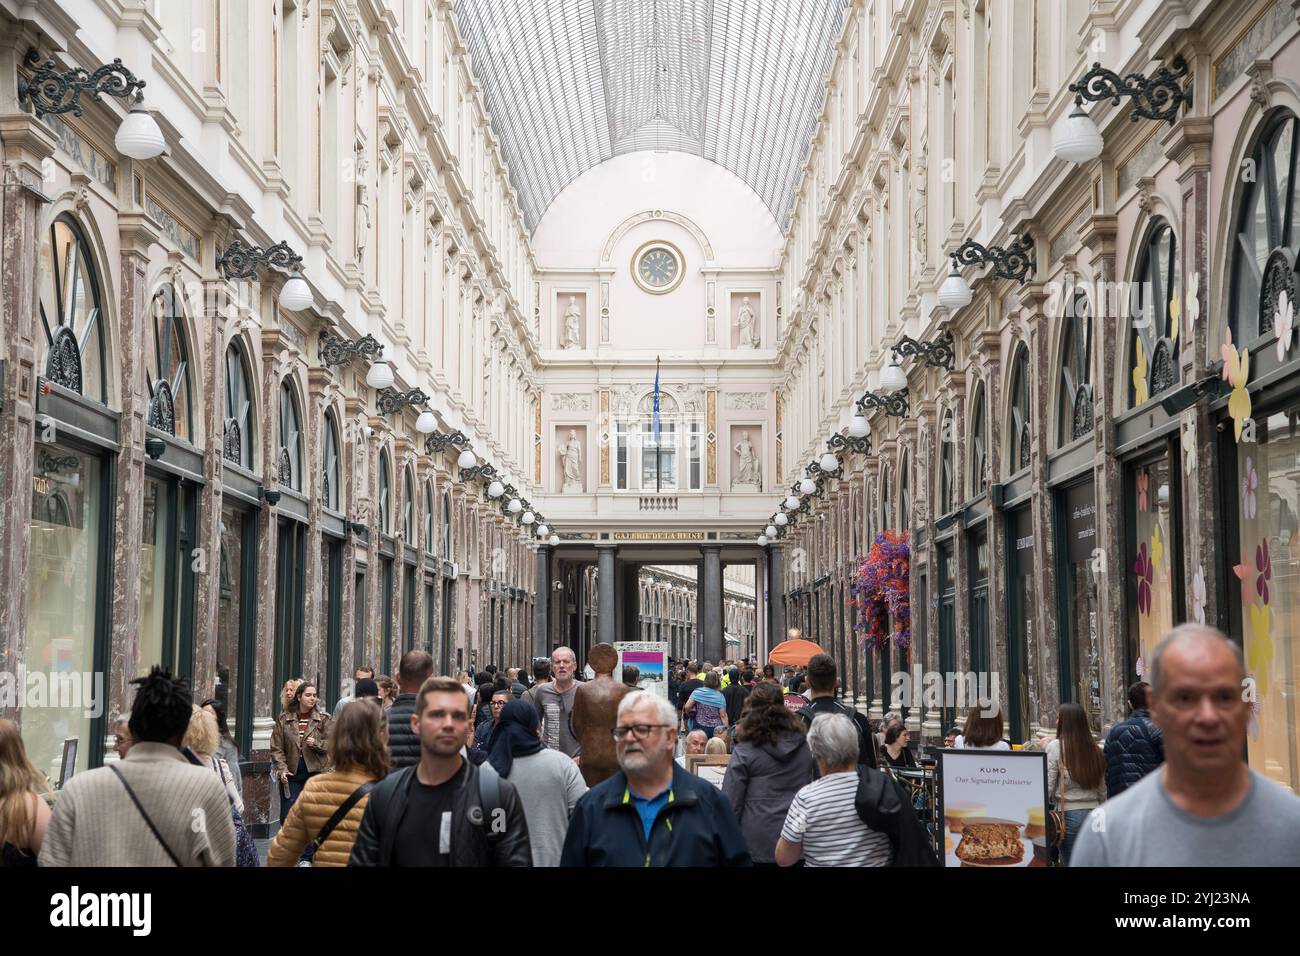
(822, 826)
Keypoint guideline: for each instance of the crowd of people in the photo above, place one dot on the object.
(536, 767)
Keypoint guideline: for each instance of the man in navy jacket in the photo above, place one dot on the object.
(652, 812)
(1134, 747)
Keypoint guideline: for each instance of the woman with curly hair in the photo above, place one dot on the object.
(768, 765)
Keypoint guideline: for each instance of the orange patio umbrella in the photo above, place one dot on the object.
(796, 653)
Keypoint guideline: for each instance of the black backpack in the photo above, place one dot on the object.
(866, 740)
(884, 805)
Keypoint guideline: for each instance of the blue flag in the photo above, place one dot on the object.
(656, 411)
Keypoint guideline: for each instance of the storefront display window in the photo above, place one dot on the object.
(1267, 571)
(1080, 578)
(157, 574)
(64, 612)
(1154, 587)
(1022, 618)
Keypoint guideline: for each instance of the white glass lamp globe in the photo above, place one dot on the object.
(1162, 494)
(807, 486)
(781, 520)
(1080, 141)
(893, 378)
(426, 423)
(380, 376)
(139, 136)
(514, 506)
(954, 293)
(762, 541)
(466, 459)
(859, 427)
(791, 502)
(528, 517)
(829, 463)
(496, 489)
(296, 294)
(543, 531)
(770, 531)
(555, 539)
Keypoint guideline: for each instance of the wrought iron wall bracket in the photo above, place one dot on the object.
(51, 90)
(239, 261)
(1015, 262)
(1158, 97)
(437, 442)
(390, 401)
(937, 354)
(335, 350)
(860, 446)
(894, 404)
(484, 470)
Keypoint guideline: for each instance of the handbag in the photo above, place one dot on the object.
(245, 846)
(1056, 816)
(343, 809)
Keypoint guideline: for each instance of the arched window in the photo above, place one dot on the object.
(979, 462)
(885, 518)
(385, 496)
(330, 484)
(1153, 353)
(446, 526)
(1019, 446)
(289, 460)
(408, 507)
(428, 518)
(237, 434)
(1074, 411)
(167, 364)
(72, 314)
(904, 493)
(1268, 232)
(947, 466)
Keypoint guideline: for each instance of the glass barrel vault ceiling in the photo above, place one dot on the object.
(572, 83)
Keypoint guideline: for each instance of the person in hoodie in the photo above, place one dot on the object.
(769, 764)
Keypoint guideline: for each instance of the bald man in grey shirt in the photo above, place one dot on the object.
(1205, 806)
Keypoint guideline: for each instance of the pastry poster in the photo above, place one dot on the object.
(650, 658)
(993, 806)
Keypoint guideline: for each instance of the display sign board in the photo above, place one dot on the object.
(650, 658)
(993, 804)
(712, 767)
(68, 766)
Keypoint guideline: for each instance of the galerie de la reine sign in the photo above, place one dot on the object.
(659, 536)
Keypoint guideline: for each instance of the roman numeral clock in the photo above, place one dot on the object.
(658, 267)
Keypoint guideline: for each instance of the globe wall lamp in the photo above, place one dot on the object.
(770, 531)
(555, 539)
(543, 531)
(791, 502)
(528, 517)
(238, 261)
(762, 541)
(780, 520)
(51, 90)
(938, 354)
(829, 463)
(391, 401)
(336, 350)
(514, 506)
(467, 460)
(1158, 97)
(1015, 261)
(807, 486)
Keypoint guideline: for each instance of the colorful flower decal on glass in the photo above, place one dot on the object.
(1249, 485)
(1236, 371)
(1157, 551)
(1144, 572)
(1189, 447)
(1139, 374)
(1285, 324)
(1140, 666)
(1198, 596)
(1175, 310)
(1264, 568)
(1259, 650)
(1193, 299)
(1245, 573)
(1144, 484)
(1254, 719)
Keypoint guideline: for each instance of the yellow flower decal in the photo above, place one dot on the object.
(1140, 374)
(1175, 310)
(1157, 551)
(1259, 652)
(1236, 369)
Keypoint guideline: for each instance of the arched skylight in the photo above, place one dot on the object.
(572, 83)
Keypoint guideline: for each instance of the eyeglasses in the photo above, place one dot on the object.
(639, 731)
(499, 703)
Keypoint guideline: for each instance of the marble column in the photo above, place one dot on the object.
(775, 593)
(711, 602)
(605, 571)
(541, 634)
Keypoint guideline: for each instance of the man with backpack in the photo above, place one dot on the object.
(823, 678)
(443, 811)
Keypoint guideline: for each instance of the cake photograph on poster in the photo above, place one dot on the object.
(993, 804)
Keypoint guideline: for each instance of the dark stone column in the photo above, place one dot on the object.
(541, 633)
(711, 602)
(605, 625)
(775, 598)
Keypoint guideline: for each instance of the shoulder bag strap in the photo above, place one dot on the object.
(152, 829)
(489, 794)
(340, 813)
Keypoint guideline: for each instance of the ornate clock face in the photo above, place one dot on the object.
(657, 267)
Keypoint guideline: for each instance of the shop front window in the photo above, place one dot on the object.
(167, 365)
(1022, 623)
(1154, 582)
(236, 610)
(72, 318)
(1153, 352)
(1080, 570)
(1267, 570)
(65, 598)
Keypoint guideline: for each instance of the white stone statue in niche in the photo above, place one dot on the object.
(572, 325)
(748, 326)
(747, 477)
(571, 454)
(363, 204)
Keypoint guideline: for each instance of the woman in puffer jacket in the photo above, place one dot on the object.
(358, 747)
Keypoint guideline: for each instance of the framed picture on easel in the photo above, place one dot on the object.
(712, 767)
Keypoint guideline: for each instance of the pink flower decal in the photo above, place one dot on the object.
(1249, 486)
(1265, 570)
(1145, 572)
(1143, 481)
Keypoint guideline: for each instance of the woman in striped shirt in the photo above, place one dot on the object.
(822, 826)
